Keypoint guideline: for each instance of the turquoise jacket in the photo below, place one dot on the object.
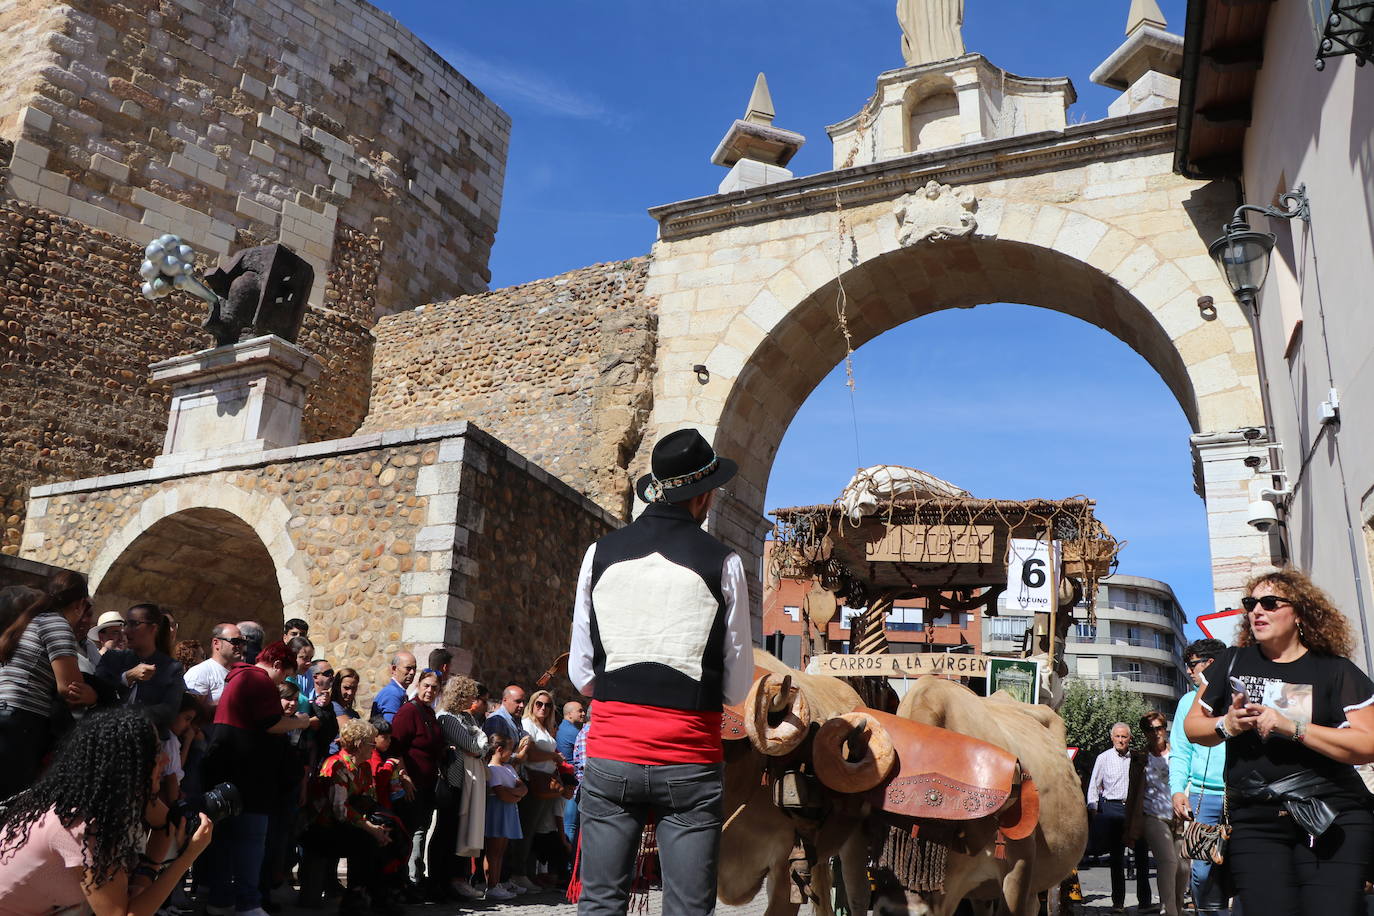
(1193, 768)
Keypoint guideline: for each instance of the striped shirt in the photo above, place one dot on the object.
(27, 681)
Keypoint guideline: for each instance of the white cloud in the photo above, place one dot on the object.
(518, 87)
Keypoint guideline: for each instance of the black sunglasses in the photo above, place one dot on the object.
(329, 673)
(1268, 602)
(1194, 662)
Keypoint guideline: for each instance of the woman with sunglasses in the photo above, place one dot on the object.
(1150, 812)
(145, 674)
(542, 811)
(1302, 829)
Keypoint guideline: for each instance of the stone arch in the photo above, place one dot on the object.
(236, 541)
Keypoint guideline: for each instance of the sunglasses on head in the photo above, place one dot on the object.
(1268, 602)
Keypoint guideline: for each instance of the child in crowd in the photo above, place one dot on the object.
(389, 773)
(503, 819)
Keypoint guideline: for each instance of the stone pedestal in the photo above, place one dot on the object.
(245, 397)
(750, 173)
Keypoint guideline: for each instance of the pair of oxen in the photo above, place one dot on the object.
(811, 774)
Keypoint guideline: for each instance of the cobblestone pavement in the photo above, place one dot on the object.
(1096, 883)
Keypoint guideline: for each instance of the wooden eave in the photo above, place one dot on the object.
(1223, 50)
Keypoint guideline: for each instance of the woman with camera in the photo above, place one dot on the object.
(1295, 715)
(92, 831)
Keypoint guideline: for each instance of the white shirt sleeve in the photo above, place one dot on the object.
(1095, 782)
(739, 642)
(580, 651)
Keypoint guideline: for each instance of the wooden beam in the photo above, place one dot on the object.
(1233, 115)
(1238, 57)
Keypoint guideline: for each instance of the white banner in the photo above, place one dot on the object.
(1032, 575)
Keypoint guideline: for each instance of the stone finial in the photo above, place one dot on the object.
(760, 110)
(755, 151)
(1145, 12)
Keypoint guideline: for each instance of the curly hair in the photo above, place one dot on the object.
(353, 732)
(1321, 627)
(189, 652)
(101, 775)
(459, 693)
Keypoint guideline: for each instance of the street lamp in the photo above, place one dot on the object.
(1243, 254)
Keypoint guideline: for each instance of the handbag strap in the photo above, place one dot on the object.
(1202, 786)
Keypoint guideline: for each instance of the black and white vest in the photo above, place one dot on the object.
(658, 613)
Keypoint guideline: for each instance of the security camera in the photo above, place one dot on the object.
(1263, 516)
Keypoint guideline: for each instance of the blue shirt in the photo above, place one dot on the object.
(502, 723)
(566, 737)
(1193, 768)
(388, 700)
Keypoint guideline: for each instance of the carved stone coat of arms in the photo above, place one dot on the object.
(935, 212)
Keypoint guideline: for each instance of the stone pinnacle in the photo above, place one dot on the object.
(760, 110)
(1145, 12)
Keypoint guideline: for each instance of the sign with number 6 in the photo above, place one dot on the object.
(1032, 575)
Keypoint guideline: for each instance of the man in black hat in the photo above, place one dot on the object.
(660, 640)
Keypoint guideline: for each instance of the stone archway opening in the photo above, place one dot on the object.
(908, 283)
(204, 565)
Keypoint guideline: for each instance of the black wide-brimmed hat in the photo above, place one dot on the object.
(684, 464)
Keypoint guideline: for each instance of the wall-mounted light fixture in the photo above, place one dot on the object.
(1243, 254)
(703, 374)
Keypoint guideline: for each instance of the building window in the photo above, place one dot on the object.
(1085, 630)
(793, 612)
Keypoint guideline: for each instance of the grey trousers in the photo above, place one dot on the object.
(616, 799)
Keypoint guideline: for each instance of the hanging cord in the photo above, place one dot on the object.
(843, 231)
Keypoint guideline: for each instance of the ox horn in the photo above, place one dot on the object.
(777, 715)
(853, 753)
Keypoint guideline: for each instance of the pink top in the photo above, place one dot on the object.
(44, 875)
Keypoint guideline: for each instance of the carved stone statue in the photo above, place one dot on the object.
(262, 290)
(932, 30)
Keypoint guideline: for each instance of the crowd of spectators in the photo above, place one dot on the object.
(257, 755)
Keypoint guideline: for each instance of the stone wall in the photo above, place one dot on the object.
(527, 550)
(216, 119)
(561, 369)
(76, 340)
(409, 539)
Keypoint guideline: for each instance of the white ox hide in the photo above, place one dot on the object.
(1035, 734)
(871, 486)
(756, 844)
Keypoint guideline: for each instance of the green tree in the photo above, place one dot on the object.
(1089, 712)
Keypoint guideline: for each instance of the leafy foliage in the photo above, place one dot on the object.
(1089, 712)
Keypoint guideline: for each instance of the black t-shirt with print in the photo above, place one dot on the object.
(1317, 689)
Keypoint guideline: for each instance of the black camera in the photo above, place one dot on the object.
(216, 803)
(371, 811)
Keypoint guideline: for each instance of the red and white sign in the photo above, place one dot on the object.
(1222, 625)
(1073, 752)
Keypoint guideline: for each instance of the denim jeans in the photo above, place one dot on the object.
(616, 800)
(570, 820)
(235, 861)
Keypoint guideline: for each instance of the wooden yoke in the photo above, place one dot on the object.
(939, 774)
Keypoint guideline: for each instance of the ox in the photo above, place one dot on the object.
(759, 837)
(1040, 861)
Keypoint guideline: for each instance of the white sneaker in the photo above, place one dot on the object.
(513, 888)
(466, 890)
(498, 893)
(525, 882)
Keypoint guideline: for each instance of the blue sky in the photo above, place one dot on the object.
(617, 106)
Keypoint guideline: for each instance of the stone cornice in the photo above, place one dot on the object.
(1151, 131)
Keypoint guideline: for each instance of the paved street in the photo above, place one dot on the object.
(1096, 895)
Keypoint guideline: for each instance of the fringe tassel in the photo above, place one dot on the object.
(639, 889)
(575, 881)
(918, 863)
